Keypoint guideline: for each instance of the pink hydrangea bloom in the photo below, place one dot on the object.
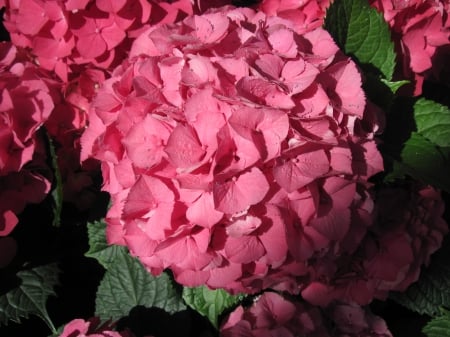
(420, 29)
(91, 328)
(273, 315)
(26, 104)
(408, 230)
(63, 34)
(235, 151)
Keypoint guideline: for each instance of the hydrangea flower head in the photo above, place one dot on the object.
(234, 150)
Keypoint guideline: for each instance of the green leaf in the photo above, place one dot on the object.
(210, 303)
(423, 160)
(394, 86)
(433, 121)
(127, 284)
(362, 32)
(432, 290)
(438, 326)
(30, 297)
(98, 247)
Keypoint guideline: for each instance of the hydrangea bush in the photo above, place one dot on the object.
(274, 167)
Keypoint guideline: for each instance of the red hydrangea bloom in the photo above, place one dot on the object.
(420, 29)
(273, 315)
(408, 230)
(91, 328)
(235, 151)
(25, 106)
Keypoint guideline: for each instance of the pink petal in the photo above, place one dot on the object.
(146, 194)
(144, 143)
(183, 147)
(351, 97)
(203, 213)
(272, 234)
(283, 43)
(239, 193)
(260, 91)
(334, 225)
(298, 75)
(244, 249)
(300, 171)
(209, 28)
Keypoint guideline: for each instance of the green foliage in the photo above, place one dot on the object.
(210, 303)
(424, 154)
(439, 326)
(433, 121)
(99, 249)
(30, 297)
(432, 291)
(126, 283)
(361, 32)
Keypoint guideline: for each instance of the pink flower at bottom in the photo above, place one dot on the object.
(273, 315)
(91, 328)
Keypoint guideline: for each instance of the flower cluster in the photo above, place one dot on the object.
(64, 34)
(91, 328)
(409, 228)
(236, 151)
(273, 315)
(25, 106)
(420, 28)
